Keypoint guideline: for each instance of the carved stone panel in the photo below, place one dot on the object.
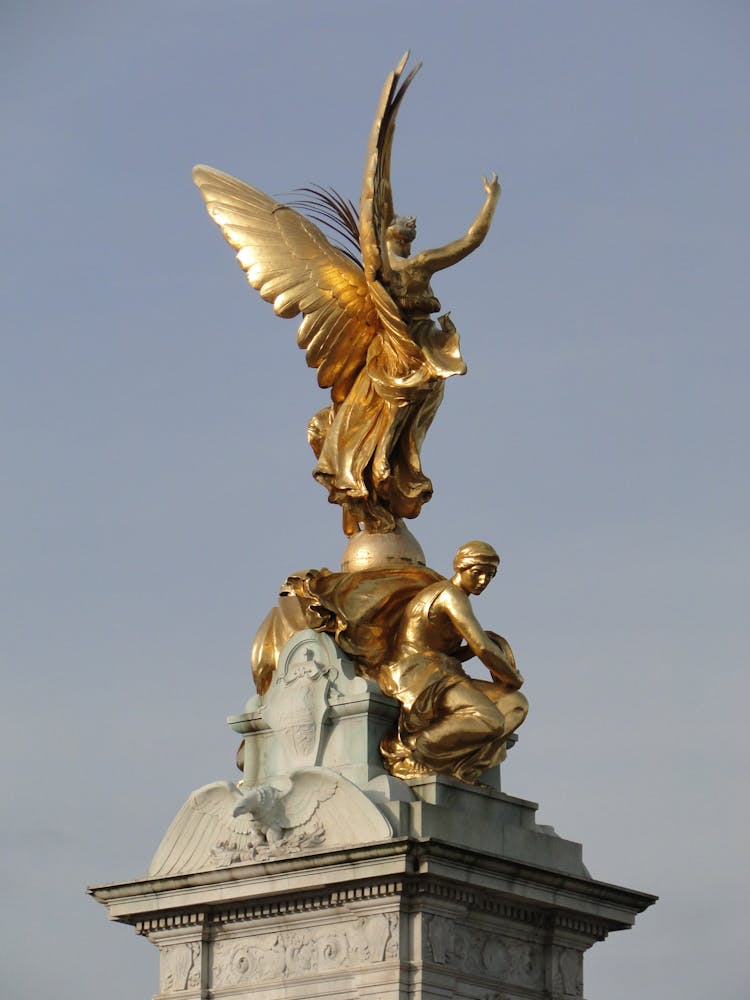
(477, 952)
(568, 973)
(295, 704)
(314, 692)
(292, 954)
(180, 966)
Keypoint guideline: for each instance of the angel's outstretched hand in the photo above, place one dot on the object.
(492, 186)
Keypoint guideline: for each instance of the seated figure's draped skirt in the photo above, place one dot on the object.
(368, 445)
(361, 611)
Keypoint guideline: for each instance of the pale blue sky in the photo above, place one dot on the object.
(156, 477)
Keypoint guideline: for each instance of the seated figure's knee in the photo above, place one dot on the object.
(467, 701)
(516, 708)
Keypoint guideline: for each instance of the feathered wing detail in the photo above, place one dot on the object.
(376, 214)
(291, 263)
(376, 203)
(203, 822)
(327, 206)
(330, 800)
(306, 808)
(306, 796)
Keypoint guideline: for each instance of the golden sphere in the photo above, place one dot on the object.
(382, 550)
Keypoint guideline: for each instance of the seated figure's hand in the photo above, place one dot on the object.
(511, 675)
(519, 677)
(510, 678)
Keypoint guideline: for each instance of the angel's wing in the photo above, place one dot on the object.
(376, 204)
(291, 263)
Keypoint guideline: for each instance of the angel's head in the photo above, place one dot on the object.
(402, 231)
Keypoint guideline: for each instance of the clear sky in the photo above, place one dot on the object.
(156, 477)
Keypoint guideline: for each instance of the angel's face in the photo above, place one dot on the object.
(400, 243)
(401, 235)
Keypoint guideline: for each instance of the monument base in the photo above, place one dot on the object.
(415, 917)
(321, 875)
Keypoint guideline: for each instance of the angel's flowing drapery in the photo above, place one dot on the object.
(368, 448)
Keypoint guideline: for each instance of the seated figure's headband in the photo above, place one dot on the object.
(475, 554)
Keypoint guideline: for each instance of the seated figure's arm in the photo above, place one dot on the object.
(451, 253)
(455, 604)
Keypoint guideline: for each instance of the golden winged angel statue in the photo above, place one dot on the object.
(367, 326)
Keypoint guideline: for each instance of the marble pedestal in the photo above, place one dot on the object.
(354, 884)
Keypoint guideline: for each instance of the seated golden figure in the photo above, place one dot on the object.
(410, 629)
(450, 722)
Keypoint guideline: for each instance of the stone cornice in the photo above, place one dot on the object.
(406, 868)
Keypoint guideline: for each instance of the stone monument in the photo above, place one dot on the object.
(368, 849)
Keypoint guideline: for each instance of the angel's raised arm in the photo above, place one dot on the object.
(451, 253)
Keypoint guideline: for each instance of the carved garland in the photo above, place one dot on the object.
(285, 954)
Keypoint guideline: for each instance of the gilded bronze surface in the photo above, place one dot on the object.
(411, 629)
(367, 328)
(367, 325)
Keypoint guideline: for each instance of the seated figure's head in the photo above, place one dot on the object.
(475, 565)
(402, 231)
